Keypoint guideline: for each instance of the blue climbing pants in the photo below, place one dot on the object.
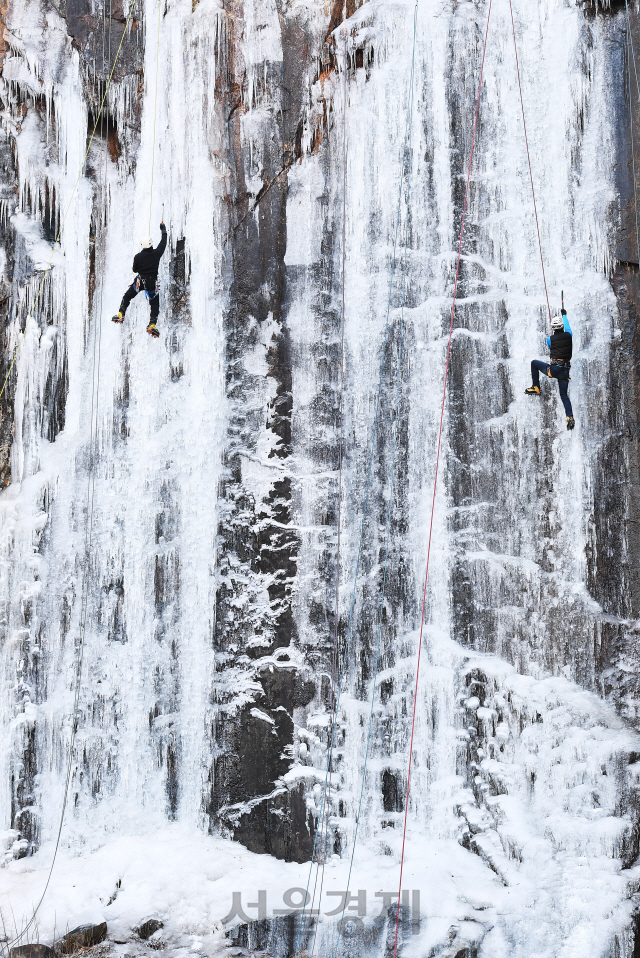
(561, 373)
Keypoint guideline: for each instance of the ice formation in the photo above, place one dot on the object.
(189, 487)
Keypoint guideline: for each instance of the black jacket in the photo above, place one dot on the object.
(561, 345)
(146, 262)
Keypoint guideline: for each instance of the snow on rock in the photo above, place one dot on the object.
(204, 494)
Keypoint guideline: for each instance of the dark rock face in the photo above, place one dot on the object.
(8, 292)
(93, 35)
(614, 576)
(279, 825)
(148, 928)
(31, 951)
(258, 541)
(84, 936)
(256, 534)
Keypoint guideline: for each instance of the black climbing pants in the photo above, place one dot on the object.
(132, 292)
(561, 373)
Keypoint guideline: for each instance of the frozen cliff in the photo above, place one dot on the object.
(201, 498)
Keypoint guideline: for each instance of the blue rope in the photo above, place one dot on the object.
(366, 506)
(633, 158)
(393, 466)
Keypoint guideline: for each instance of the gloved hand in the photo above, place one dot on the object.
(563, 312)
(163, 227)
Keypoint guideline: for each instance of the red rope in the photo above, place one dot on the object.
(435, 482)
(526, 140)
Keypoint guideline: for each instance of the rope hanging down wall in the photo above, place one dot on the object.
(376, 417)
(444, 392)
(391, 483)
(155, 115)
(95, 385)
(336, 615)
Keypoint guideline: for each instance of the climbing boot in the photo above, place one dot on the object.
(570, 422)
(532, 391)
(118, 318)
(151, 329)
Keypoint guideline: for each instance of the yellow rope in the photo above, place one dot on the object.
(57, 239)
(155, 116)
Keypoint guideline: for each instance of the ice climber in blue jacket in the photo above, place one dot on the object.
(561, 345)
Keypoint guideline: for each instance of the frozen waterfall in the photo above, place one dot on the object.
(206, 464)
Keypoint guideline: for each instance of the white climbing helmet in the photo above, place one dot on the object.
(146, 243)
(557, 322)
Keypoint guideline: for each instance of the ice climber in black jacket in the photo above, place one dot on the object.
(560, 344)
(145, 264)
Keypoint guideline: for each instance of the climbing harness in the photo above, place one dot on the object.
(149, 293)
(95, 387)
(444, 393)
(362, 527)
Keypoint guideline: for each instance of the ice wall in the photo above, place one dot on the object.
(206, 464)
